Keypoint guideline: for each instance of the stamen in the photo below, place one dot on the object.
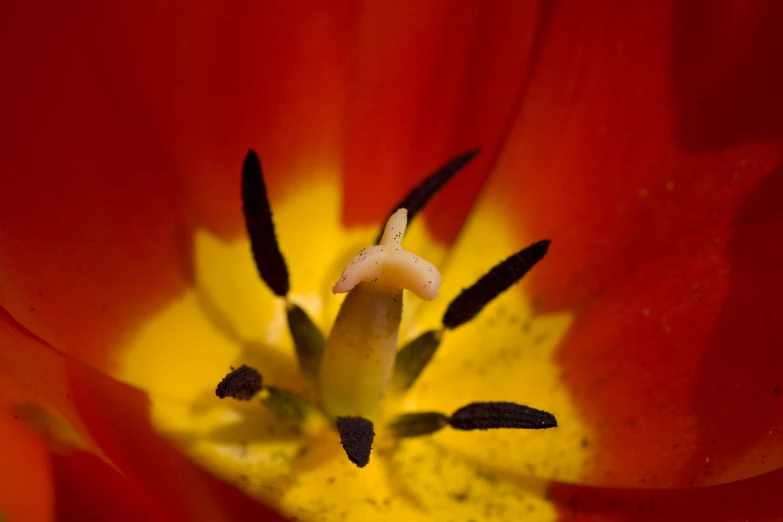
(356, 436)
(473, 299)
(285, 403)
(309, 342)
(475, 416)
(423, 192)
(242, 383)
(260, 228)
(418, 424)
(492, 415)
(413, 358)
(416, 355)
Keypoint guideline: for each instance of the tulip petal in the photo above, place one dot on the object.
(756, 499)
(674, 366)
(78, 248)
(91, 221)
(118, 418)
(209, 83)
(595, 159)
(34, 375)
(152, 84)
(303, 92)
(637, 215)
(25, 482)
(87, 488)
(430, 81)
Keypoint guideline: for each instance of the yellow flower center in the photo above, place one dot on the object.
(227, 320)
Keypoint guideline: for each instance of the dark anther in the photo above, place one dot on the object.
(412, 359)
(418, 424)
(356, 436)
(491, 415)
(260, 228)
(471, 301)
(308, 341)
(423, 192)
(242, 383)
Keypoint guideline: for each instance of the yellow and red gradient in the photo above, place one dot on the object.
(97, 438)
(644, 139)
(26, 473)
(663, 198)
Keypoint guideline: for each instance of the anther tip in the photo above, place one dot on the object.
(494, 415)
(242, 383)
(356, 435)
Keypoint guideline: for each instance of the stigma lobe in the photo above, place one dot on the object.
(388, 264)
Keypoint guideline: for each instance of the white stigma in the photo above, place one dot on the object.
(390, 265)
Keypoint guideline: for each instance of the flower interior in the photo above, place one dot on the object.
(358, 366)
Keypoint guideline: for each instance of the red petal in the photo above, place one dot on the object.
(111, 141)
(33, 373)
(653, 207)
(674, 367)
(25, 484)
(602, 158)
(752, 500)
(386, 93)
(109, 106)
(208, 83)
(87, 488)
(91, 227)
(431, 81)
(118, 419)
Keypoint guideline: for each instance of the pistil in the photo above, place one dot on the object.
(359, 355)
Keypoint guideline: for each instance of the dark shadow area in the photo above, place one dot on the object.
(727, 74)
(753, 499)
(88, 488)
(738, 397)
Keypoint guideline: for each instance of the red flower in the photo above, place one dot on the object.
(643, 139)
